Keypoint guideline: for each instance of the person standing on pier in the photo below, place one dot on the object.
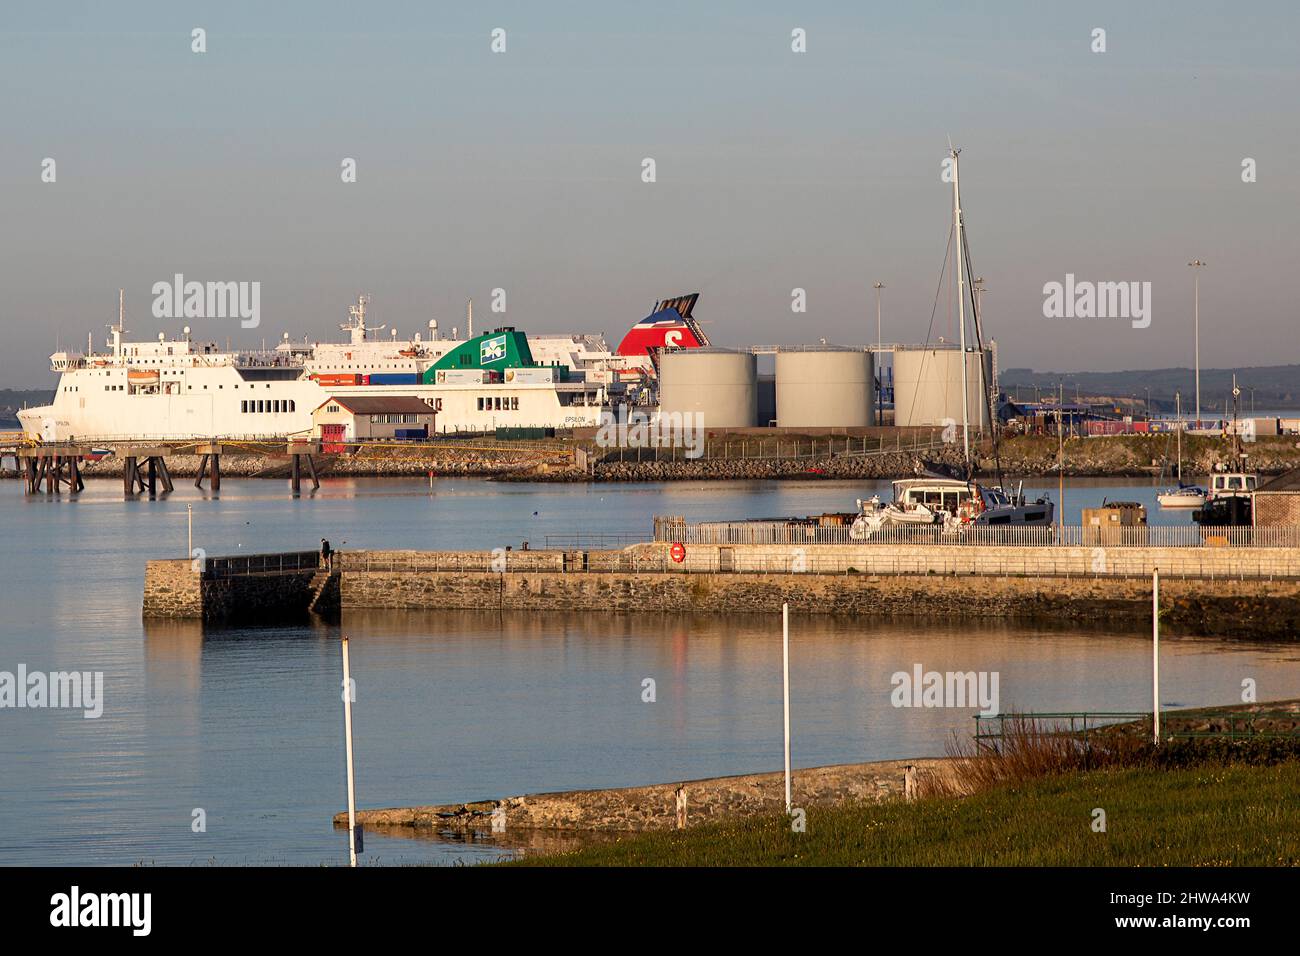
(326, 555)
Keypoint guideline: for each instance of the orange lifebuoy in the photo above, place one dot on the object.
(678, 552)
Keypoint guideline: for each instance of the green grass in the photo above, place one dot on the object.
(1199, 816)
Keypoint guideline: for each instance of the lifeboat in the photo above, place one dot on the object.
(140, 376)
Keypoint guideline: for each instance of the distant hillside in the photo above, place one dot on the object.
(1275, 386)
(12, 399)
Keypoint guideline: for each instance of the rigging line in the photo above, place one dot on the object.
(938, 291)
(979, 342)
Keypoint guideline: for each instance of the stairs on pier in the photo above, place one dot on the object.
(320, 587)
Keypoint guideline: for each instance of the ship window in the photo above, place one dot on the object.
(480, 403)
(243, 407)
(293, 405)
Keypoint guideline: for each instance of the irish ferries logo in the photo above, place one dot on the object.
(492, 350)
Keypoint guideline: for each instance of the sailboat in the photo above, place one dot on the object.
(956, 503)
(1184, 496)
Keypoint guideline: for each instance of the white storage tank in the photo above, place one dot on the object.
(927, 386)
(824, 387)
(720, 384)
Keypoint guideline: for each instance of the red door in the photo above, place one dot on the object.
(331, 437)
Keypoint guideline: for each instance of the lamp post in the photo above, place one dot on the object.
(880, 377)
(1197, 264)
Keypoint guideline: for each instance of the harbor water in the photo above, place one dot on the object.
(241, 728)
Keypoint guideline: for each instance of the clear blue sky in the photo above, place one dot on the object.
(775, 170)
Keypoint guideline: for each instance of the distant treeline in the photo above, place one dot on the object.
(12, 399)
(1273, 386)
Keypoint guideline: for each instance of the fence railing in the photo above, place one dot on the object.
(953, 564)
(760, 448)
(837, 529)
(991, 730)
(246, 564)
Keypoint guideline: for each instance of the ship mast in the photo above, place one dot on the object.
(961, 303)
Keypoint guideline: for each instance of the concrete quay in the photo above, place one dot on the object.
(1242, 592)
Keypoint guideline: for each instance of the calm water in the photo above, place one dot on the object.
(246, 724)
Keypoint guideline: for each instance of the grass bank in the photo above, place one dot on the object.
(1237, 815)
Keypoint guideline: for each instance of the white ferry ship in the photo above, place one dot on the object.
(179, 388)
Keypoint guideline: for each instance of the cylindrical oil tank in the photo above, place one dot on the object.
(927, 386)
(719, 384)
(824, 387)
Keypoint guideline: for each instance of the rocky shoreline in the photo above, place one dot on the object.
(1128, 456)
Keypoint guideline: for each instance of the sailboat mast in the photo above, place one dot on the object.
(1178, 414)
(961, 302)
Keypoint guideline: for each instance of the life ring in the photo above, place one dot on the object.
(678, 552)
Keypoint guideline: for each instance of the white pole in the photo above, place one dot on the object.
(1197, 264)
(1155, 652)
(875, 361)
(347, 733)
(961, 304)
(189, 512)
(785, 672)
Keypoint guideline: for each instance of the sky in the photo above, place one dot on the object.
(775, 170)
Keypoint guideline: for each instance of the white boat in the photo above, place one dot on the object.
(1184, 496)
(952, 503)
(1233, 484)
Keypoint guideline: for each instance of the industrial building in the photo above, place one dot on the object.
(1277, 501)
(824, 386)
(719, 384)
(927, 386)
(346, 418)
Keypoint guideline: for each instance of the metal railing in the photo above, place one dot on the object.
(760, 448)
(838, 530)
(1258, 565)
(991, 730)
(598, 540)
(249, 564)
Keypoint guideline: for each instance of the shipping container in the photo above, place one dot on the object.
(335, 378)
(523, 433)
(407, 434)
(394, 378)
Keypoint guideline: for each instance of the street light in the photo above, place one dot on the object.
(1197, 264)
(880, 403)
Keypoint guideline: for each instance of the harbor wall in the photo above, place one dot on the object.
(1215, 595)
(1229, 607)
(175, 589)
